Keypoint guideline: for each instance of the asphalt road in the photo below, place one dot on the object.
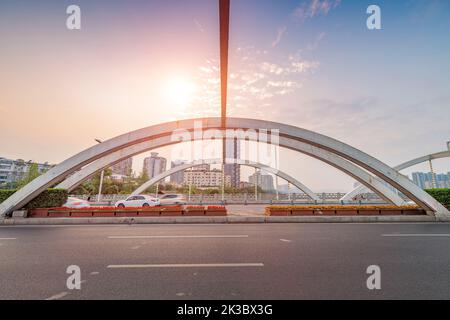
(264, 261)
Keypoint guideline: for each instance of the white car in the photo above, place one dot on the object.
(138, 202)
(172, 199)
(76, 203)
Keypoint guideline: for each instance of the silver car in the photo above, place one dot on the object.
(172, 199)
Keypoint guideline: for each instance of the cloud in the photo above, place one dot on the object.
(255, 79)
(313, 46)
(280, 32)
(199, 26)
(312, 8)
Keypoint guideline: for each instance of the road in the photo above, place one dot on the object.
(257, 261)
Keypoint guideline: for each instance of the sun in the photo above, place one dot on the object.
(179, 92)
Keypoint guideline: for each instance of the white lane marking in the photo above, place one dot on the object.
(179, 237)
(198, 265)
(94, 273)
(417, 235)
(8, 238)
(135, 247)
(58, 296)
(285, 240)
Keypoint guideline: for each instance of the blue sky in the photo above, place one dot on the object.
(311, 63)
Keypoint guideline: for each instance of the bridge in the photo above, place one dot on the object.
(189, 258)
(336, 153)
(438, 155)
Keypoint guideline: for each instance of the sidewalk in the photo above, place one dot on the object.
(217, 220)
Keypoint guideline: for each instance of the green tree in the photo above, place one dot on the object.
(33, 173)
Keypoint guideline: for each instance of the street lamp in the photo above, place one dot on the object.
(102, 174)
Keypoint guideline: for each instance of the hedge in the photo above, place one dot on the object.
(5, 194)
(48, 199)
(441, 195)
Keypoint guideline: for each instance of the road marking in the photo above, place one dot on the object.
(58, 296)
(94, 273)
(285, 240)
(417, 235)
(8, 238)
(135, 247)
(178, 237)
(199, 265)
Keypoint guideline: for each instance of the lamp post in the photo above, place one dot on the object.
(102, 175)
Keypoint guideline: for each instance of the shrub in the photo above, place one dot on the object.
(341, 207)
(216, 208)
(441, 195)
(5, 194)
(50, 198)
(195, 208)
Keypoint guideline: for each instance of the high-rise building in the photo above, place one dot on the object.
(264, 181)
(233, 151)
(123, 168)
(154, 165)
(205, 178)
(15, 170)
(425, 180)
(177, 178)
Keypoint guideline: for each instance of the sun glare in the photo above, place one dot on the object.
(179, 92)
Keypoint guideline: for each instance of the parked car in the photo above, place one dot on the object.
(138, 201)
(76, 203)
(172, 199)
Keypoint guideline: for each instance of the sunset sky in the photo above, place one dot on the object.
(309, 63)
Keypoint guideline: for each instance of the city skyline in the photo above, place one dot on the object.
(318, 69)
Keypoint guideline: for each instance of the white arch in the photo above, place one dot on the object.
(434, 156)
(362, 189)
(266, 168)
(386, 173)
(338, 162)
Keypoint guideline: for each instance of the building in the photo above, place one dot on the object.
(233, 151)
(15, 170)
(425, 180)
(288, 188)
(264, 181)
(119, 177)
(154, 165)
(201, 178)
(245, 184)
(177, 178)
(123, 168)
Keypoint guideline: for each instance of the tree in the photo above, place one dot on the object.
(33, 173)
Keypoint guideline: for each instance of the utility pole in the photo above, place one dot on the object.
(223, 183)
(433, 176)
(102, 175)
(224, 17)
(256, 185)
(224, 13)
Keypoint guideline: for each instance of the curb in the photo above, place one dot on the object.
(217, 220)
